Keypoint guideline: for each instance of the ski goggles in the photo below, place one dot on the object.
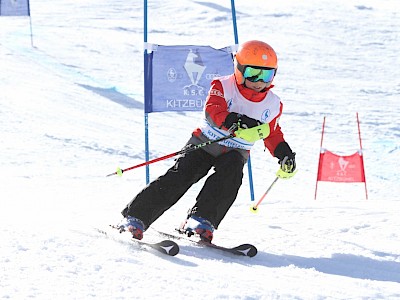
(255, 74)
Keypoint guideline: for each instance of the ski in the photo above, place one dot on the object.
(243, 249)
(248, 250)
(167, 247)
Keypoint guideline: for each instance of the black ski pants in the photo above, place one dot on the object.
(215, 198)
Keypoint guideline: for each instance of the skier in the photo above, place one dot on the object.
(241, 100)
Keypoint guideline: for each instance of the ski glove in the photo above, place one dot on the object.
(286, 161)
(234, 121)
(288, 165)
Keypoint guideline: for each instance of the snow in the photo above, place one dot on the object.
(71, 112)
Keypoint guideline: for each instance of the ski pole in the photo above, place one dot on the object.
(183, 151)
(254, 208)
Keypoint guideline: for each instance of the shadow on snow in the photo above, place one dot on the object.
(113, 95)
(339, 264)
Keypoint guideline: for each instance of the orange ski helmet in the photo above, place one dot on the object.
(256, 54)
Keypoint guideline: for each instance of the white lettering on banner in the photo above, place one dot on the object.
(210, 76)
(184, 103)
(193, 92)
(341, 179)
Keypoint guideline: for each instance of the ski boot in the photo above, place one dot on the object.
(133, 225)
(200, 226)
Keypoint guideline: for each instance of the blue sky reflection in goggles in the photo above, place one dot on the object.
(254, 74)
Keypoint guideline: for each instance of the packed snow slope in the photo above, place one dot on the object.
(71, 112)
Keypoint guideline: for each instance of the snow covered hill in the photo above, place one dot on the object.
(71, 111)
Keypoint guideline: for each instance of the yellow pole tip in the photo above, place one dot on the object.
(254, 209)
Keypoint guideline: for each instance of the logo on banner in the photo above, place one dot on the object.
(342, 165)
(172, 75)
(194, 68)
